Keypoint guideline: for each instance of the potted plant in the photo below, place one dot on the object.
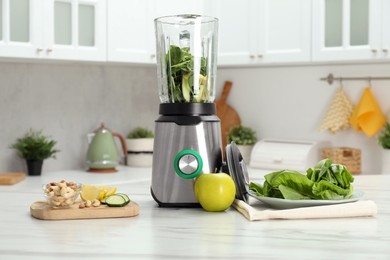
(245, 138)
(35, 147)
(384, 141)
(139, 144)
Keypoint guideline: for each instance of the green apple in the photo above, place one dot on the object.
(215, 191)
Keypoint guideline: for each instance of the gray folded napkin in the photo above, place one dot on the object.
(364, 208)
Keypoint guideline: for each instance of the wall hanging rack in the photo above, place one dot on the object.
(330, 78)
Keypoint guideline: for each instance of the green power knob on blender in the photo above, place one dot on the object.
(188, 164)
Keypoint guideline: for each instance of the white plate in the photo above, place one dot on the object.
(289, 204)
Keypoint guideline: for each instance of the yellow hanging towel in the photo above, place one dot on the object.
(338, 114)
(367, 116)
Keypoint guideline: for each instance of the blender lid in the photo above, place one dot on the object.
(238, 171)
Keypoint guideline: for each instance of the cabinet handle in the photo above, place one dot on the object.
(39, 49)
(259, 56)
(374, 50)
(153, 56)
(385, 50)
(49, 50)
(252, 56)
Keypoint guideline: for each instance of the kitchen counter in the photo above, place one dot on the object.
(171, 233)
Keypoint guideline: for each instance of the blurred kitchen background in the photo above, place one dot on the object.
(68, 97)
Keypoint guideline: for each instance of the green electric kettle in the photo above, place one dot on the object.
(102, 155)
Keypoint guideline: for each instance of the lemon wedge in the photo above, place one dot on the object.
(89, 192)
(106, 191)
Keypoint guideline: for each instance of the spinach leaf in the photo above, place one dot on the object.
(174, 55)
(291, 181)
(292, 194)
(257, 188)
(328, 191)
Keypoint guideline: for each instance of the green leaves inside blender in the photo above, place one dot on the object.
(182, 77)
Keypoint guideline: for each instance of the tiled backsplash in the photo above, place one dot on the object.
(67, 101)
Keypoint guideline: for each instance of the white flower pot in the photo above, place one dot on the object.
(140, 152)
(245, 151)
(140, 145)
(386, 161)
(140, 159)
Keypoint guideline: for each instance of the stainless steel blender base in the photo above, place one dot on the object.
(181, 144)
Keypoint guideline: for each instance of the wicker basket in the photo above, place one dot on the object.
(350, 157)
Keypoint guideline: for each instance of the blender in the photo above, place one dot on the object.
(187, 139)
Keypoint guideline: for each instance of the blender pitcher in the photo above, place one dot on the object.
(186, 58)
(187, 139)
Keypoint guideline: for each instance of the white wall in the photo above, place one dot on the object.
(69, 100)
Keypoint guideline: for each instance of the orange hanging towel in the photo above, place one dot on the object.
(367, 116)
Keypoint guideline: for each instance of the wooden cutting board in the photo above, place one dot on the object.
(228, 116)
(9, 178)
(42, 210)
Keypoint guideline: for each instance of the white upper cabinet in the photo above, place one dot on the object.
(131, 33)
(130, 37)
(385, 43)
(262, 31)
(237, 36)
(20, 30)
(76, 29)
(348, 30)
(284, 30)
(251, 32)
(55, 29)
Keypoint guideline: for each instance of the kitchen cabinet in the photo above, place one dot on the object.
(350, 30)
(284, 32)
(55, 29)
(76, 29)
(129, 31)
(236, 30)
(20, 23)
(385, 43)
(251, 32)
(265, 31)
(131, 36)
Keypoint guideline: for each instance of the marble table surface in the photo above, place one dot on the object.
(173, 233)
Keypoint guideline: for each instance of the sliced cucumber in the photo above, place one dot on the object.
(116, 201)
(127, 199)
(103, 201)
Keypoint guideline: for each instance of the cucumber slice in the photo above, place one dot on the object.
(127, 199)
(116, 201)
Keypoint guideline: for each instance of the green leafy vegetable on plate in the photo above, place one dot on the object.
(324, 181)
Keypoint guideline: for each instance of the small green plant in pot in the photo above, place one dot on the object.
(139, 144)
(140, 132)
(384, 142)
(245, 138)
(384, 137)
(35, 147)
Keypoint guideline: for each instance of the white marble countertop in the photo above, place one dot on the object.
(171, 233)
